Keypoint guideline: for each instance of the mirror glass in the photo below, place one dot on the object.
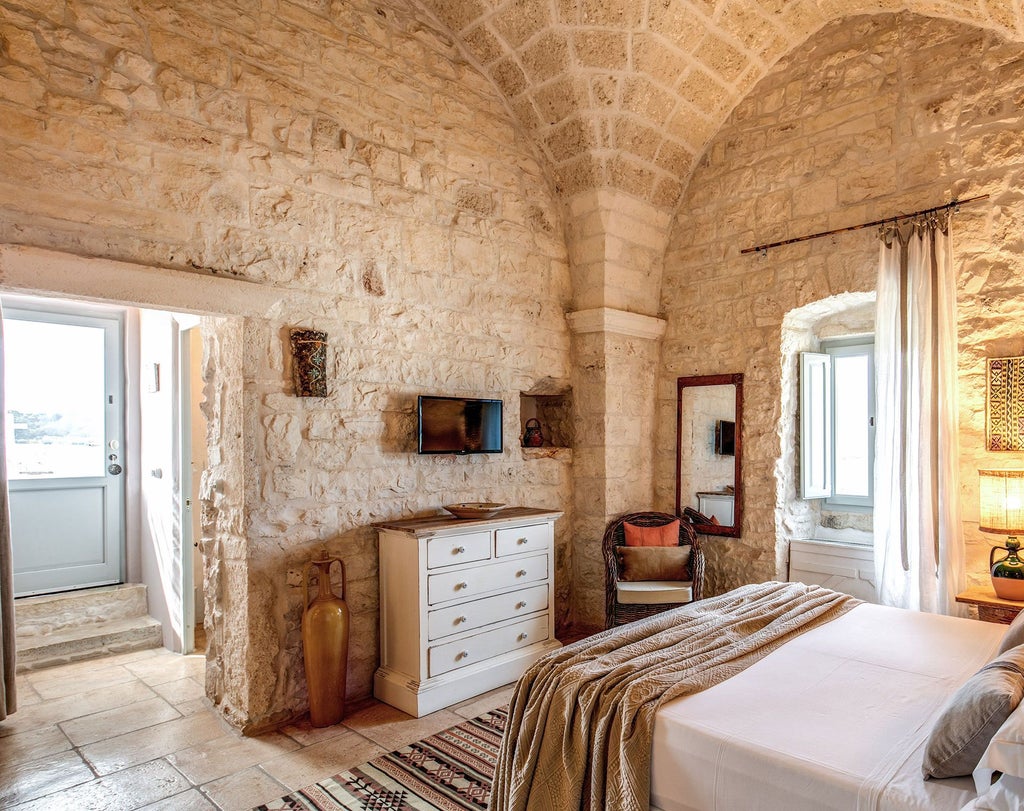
(709, 451)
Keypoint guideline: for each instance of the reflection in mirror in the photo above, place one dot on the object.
(709, 451)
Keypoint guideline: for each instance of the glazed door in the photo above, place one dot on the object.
(64, 402)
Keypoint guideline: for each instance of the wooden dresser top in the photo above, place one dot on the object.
(432, 524)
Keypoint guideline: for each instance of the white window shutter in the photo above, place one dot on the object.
(815, 425)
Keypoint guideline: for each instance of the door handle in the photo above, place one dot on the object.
(114, 469)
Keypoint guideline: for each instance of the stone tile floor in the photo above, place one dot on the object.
(136, 731)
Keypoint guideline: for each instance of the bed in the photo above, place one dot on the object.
(835, 718)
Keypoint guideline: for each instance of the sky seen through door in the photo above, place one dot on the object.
(54, 391)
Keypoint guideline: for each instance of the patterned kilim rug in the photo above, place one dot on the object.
(449, 771)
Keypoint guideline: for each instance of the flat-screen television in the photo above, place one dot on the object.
(459, 425)
(725, 438)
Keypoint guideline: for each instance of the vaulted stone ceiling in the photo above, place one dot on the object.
(625, 94)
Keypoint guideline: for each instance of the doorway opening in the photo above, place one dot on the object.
(106, 445)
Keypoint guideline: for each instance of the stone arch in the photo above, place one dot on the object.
(627, 96)
(834, 159)
(803, 328)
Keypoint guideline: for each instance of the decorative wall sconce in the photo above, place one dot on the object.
(1004, 405)
(309, 362)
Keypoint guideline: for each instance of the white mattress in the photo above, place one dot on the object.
(835, 719)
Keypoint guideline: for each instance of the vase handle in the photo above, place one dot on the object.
(341, 563)
(305, 585)
(992, 554)
(305, 578)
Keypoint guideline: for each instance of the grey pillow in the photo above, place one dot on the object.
(974, 713)
(1014, 634)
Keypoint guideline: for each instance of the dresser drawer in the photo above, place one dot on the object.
(532, 538)
(477, 648)
(452, 549)
(443, 622)
(482, 579)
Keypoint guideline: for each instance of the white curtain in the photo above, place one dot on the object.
(919, 551)
(8, 703)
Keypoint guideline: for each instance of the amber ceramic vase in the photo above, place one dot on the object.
(325, 623)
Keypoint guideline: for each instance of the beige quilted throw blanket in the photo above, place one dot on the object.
(581, 719)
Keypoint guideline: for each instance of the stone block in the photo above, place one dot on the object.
(202, 62)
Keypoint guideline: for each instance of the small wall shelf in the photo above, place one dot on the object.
(561, 454)
(553, 408)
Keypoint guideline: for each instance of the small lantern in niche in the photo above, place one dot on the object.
(309, 362)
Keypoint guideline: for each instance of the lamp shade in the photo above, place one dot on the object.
(1002, 501)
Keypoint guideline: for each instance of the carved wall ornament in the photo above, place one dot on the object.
(1005, 405)
(309, 362)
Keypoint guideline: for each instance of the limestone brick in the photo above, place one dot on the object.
(682, 23)
(517, 22)
(546, 57)
(600, 48)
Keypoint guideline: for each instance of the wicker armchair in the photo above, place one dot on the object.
(656, 596)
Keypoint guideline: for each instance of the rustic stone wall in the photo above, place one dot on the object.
(873, 116)
(625, 94)
(616, 245)
(348, 156)
(615, 366)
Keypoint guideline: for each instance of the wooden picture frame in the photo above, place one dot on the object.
(1004, 404)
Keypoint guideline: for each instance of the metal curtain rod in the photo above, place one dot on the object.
(897, 218)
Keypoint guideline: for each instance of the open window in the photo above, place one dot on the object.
(837, 424)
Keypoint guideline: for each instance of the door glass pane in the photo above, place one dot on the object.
(852, 424)
(54, 395)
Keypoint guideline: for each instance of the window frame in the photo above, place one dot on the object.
(817, 446)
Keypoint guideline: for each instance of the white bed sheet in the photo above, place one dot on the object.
(835, 719)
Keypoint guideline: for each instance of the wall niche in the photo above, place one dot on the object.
(550, 403)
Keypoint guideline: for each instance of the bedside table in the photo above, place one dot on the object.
(990, 607)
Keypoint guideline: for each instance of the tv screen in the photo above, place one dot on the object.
(725, 438)
(459, 425)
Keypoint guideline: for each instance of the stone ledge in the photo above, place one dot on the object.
(87, 642)
(560, 453)
(49, 613)
(606, 319)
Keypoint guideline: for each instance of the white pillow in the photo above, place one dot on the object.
(1005, 753)
(1006, 794)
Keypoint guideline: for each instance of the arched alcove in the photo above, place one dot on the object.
(871, 116)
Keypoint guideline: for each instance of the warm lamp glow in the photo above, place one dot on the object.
(1002, 501)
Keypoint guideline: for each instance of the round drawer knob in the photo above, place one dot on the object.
(521, 604)
(522, 541)
(463, 654)
(459, 619)
(521, 637)
(462, 585)
(459, 550)
(521, 573)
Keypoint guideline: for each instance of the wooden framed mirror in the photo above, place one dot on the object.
(709, 451)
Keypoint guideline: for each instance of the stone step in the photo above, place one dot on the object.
(87, 641)
(53, 612)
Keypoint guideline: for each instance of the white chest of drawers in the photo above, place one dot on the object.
(465, 605)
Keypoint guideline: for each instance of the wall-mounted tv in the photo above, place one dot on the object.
(459, 425)
(725, 438)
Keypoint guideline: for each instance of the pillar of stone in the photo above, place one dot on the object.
(615, 375)
(616, 248)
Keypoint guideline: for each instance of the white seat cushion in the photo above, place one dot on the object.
(654, 592)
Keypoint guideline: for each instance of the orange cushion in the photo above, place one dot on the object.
(667, 535)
